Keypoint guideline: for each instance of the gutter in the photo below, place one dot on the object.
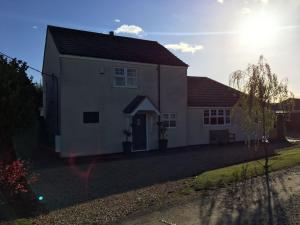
(158, 95)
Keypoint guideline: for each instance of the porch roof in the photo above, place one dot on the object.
(140, 103)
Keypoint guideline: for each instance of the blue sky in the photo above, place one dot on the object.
(215, 37)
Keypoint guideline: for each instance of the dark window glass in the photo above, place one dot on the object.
(213, 120)
(227, 120)
(221, 112)
(213, 112)
(206, 113)
(166, 123)
(165, 116)
(172, 123)
(221, 120)
(227, 112)
(206, 120)
(91, 117)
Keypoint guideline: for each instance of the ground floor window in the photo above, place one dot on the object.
(216, 116)
(169, 120)
(90, 117)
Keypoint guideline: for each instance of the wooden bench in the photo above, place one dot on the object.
(221, 137)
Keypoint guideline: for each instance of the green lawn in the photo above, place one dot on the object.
(22, 222)
(284, 159)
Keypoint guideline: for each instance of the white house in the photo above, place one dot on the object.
(100, 85)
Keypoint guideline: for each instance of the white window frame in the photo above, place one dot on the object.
(169, 120)
(217, 116)
(125, 76)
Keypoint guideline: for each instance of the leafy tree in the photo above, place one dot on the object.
(19, 101)
(262, 94)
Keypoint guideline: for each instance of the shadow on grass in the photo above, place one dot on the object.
(246, 203)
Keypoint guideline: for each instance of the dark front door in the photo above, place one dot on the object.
(139, 137)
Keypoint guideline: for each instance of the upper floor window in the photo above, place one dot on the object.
(125, 77)
(169, 120)
(216, 117)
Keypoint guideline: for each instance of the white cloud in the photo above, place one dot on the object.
(34, 27)
(264, 1)
(129, 29)
(220, 1)
(246, 11)
(117, 20)
(184, 47)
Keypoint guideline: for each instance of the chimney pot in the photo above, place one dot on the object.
(111, 33)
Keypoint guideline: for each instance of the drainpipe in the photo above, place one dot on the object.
(55, 79)
(158, 94)
(57, 105)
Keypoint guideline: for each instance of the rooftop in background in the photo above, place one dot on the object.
(108, 46)
(296, 104)
(205, 92)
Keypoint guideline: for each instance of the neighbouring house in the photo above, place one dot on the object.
(293, 123)
(98, 85)
(289, 124)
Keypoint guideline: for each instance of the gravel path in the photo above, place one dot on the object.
(70, 182)
(106, 191)
(241, 203)
(116, 207)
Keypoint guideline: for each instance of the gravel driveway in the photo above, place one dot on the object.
(67, 183)
(103, 190)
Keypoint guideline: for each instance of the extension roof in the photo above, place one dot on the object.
(205, 92)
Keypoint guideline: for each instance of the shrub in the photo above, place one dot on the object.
(15, 177)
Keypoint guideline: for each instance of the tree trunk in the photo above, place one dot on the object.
(269, 196)
(266, 167)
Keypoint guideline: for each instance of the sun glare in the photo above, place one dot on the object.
(259, 30)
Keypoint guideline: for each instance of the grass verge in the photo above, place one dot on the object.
(284, 159)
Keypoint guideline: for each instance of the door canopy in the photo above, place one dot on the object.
(140, 103)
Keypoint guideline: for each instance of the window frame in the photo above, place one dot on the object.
(216, 114)
(169, 119)
(125, 76)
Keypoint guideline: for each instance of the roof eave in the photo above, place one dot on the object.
(62, 54)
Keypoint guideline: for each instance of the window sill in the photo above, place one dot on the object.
(217, 125)
(130, 87)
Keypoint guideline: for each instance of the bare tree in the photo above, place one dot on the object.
(262, 94)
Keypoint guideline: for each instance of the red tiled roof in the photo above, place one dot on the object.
(90, 44)
(205, 92)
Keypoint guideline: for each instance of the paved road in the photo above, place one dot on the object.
(238, 204)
